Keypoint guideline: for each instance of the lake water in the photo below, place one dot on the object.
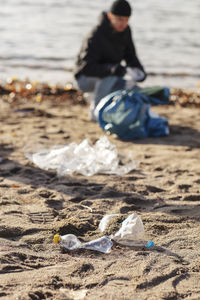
(40, 39)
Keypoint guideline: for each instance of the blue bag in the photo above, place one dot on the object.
(127, 114)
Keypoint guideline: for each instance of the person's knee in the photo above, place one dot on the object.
(86, 84)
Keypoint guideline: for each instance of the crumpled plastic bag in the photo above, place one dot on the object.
(73, 294)
(132, 76)
(85, 159)
(131, 233)
(105, 221)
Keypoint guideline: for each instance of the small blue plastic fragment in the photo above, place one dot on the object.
(149, 244)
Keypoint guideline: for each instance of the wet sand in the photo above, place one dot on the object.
(164, 190)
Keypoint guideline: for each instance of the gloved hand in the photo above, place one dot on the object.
(136, 74)
(118, 70)
(142, 78)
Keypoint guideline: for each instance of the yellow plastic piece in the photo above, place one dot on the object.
(38, 98)
(56, 239)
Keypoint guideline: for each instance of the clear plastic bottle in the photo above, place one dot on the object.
(70, 242)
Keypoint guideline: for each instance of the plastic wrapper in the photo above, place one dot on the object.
(105, 221)
(131, 232)
(132, 76)
(85, 159)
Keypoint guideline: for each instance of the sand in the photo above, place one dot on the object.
(35, 204)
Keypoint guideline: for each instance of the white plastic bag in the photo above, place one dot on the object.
(135, 74)
(85, 159)
(105, 220)
(131, 233)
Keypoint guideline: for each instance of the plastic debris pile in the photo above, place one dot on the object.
(85, 159)
(131, 233)
(71, 242)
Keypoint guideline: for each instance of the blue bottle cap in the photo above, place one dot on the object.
(149, 244)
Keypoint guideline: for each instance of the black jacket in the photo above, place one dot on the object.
(103, 48)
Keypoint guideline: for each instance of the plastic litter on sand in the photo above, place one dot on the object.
(131, 233)
(71, 242)
(85, 159)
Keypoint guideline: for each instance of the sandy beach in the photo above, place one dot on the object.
(164, 190)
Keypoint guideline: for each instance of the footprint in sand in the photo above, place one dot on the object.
(57, 204)
(45, 194)
(84, 270)
(138, 200)
(77, 199)
(192, 197)
(10, 232)
(129, 209)
(154, 189)
(43, 217)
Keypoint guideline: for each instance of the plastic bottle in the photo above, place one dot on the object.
(70, 242)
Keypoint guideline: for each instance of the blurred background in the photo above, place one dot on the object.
(40, 39)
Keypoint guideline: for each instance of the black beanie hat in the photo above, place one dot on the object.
(121, 8)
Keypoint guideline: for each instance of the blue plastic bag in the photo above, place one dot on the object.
(127, 114)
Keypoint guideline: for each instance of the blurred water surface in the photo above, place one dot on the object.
(40, 38)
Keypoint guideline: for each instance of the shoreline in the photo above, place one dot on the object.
(14, 89)
(178, 80)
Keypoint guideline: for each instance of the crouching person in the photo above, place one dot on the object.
(106, 54)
